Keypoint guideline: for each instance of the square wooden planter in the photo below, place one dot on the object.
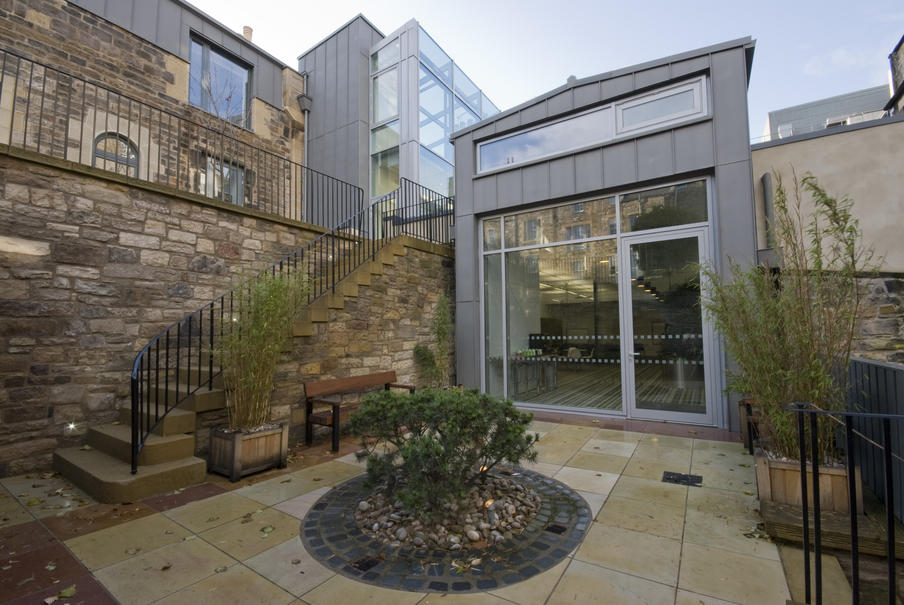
(236, 454)
(779, 482)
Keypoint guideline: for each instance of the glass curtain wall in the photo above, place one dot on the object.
(552, 325)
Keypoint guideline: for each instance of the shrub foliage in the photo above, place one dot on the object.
(440, 442)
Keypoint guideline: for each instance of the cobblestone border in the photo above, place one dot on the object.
(329, 532)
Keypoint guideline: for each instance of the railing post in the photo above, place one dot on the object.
(805, 514)
(136, 401)
(852, 506)
(889, 509)
(817, 512)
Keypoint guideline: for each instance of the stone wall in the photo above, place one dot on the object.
(90, 270)
(881, 334)
(66, 37)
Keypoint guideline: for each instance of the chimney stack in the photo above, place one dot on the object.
(246, 32)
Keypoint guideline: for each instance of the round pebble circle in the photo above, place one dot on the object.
(330, 533)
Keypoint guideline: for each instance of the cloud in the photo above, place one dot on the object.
(844, 59)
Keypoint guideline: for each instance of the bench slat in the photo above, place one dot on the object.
(353, 383)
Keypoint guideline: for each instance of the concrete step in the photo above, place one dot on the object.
(109, 480)
(116, 440)
(202, 400)
(177, 422)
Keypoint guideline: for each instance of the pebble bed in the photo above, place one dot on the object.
(338, 531)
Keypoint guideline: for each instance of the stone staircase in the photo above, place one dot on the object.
(167, 461)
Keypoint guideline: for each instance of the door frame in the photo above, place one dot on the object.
(711, 368)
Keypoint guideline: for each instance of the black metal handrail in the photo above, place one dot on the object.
(808, 434)
(54, 113)
(180, 360)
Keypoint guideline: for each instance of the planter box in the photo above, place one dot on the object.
(237, 454)
(780, 482)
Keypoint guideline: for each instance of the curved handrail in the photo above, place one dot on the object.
(179, 361)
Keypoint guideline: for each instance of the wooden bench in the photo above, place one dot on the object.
(317, 393)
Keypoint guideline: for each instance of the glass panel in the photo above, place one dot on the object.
(492, 325)
(196, 73)
(668, 326)
(664, 207)
(386, 96)
(659, 109)
(116, 153)
(436, 174)
(384, 137)
(223, 180)
(560, 223)
(217, 84)
(463, 116)
(563, 327)
(434, 57)
(491, 232)
(384, 172)
(487, 108)
(574, 133)
(385, 57)
(466, 89)
(435, 116)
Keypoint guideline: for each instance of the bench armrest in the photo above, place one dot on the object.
(393, 385)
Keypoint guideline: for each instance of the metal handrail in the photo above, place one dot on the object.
(807, 417)
(54, 113)
(180, 360)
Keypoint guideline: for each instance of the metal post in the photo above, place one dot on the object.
(803, 498)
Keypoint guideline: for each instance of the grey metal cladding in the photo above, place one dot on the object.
(690, 66)
(119, 13)
(655, 157)
(534, 113)
(467, 332)
(587, 94)
(729, 94)
(535, 183)
(561, 103)
(734, 222)
(617, 86)
(561, 177)
(694, 147)
(144, 19)
(588, 171)
(466, 238)
(651, 77)
(485, 194)
(620, 164)
(508, 188)
(169, 28)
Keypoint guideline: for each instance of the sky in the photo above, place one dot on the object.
(516, 50)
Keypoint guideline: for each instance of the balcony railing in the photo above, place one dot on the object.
(180, 361)
(51, 112)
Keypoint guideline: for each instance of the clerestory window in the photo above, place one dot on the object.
(116, 153)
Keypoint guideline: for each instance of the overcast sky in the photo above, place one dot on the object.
(516, 50)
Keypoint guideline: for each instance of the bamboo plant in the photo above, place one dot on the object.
(790, 328)
(260, 316)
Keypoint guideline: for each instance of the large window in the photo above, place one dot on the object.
(386, 96)
(436, 174)
(435, 115)
(637, 114)
(218, 83)
(386, 56)
(222, 180)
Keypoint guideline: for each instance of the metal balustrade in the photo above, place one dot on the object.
(53, 113)
(180, 361)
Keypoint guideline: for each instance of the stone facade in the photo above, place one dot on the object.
(66, 37)
(881, 334)
(91, 270)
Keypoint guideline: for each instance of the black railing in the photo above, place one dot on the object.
(853, 443)
(180, 361)
(53, 113)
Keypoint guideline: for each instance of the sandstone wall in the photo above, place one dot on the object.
(881, 334)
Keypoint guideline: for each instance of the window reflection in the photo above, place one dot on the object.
(664, 207)
(386, 56)
(435, 116)
(560, 223)
(434, 57)
(386, 96)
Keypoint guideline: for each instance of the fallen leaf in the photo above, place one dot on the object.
(50, 566)
(27, 580)
(50, 600)
(46, 475)
(132, 551)
(67, 593)
(33, 502)
(296, 561)
(212, 519)
(187, 538)
(220, 569)
(316, 479)
(286, 480)
(85, 447)
(165, 567)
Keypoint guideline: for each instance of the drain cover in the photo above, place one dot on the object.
(556, 528)
(682, 479)
(365, 563)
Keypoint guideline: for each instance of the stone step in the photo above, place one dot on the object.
(109, 480)
(348, 287)
(302, 328)
(116, 440)
(176, 422)
(202, 400)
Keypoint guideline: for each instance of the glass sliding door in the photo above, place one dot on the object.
(667, 359)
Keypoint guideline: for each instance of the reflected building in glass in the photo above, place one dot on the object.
(384, 107)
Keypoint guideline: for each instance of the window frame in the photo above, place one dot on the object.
(208, 46)
(115, 158)
(698, 83)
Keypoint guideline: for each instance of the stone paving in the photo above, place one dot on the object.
(649, 541)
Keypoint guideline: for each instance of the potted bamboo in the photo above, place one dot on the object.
(254, 333)
(789, 330)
